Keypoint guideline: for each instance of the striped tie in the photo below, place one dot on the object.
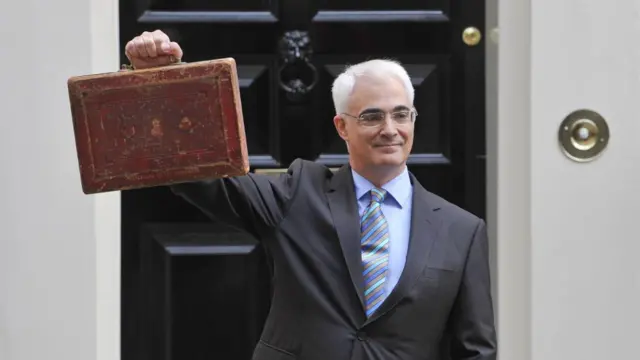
(375, 251)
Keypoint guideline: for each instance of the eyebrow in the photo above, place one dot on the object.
(378, 110)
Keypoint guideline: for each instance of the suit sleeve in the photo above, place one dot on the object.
(253, 203)
(471, 323)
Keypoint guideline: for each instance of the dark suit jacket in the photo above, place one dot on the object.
(308, 221)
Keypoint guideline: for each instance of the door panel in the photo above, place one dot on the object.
(207, 5)
(210, 298)
(202, 292)
(381, 5)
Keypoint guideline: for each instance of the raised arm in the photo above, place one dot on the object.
(254, 203)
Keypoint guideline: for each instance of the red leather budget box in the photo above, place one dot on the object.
(152, 127)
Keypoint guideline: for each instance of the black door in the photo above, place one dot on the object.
(196, 290)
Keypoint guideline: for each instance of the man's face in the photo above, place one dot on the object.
(379, 141)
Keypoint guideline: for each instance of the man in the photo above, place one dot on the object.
(367, 263)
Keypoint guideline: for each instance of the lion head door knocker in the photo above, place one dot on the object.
(297, 75)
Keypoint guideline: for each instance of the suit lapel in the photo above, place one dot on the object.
(344, 210)
(425, 227)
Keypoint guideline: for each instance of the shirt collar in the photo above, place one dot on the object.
(399, 187)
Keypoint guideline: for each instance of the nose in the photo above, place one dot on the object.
(389, 127)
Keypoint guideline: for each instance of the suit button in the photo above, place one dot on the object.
(362, 336)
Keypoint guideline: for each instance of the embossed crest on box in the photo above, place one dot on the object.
(161, 126)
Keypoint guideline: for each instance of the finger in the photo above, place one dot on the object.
(130, 50)
(160, 61)
(161, 41)
(140, 47)
(149, 44)
(175, 50)
(160, 37)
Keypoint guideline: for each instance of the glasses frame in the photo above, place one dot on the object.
(362, 122)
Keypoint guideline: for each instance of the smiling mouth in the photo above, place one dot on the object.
(388, 145)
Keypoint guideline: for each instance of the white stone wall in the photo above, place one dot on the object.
(59, 249)
(567, 233)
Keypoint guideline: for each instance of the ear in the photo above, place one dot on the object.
(341, 127)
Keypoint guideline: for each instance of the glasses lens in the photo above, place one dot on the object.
(372, 119)
(402, 117)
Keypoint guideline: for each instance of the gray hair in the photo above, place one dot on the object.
(344, 83)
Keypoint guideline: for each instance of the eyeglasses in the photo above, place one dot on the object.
(378, 118)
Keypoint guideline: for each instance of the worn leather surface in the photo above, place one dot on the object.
(144, 128)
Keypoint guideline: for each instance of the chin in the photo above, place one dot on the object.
(389, 160)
